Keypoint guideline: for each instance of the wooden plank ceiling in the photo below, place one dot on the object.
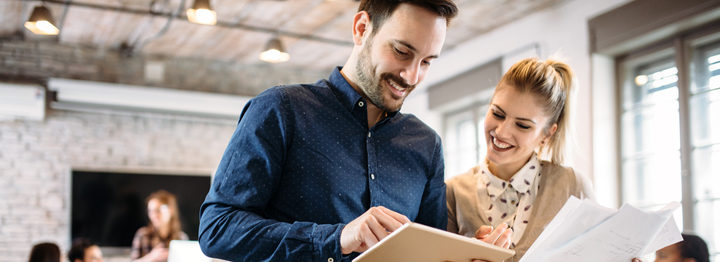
(244, 26)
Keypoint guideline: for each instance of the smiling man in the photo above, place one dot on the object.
(323, 171)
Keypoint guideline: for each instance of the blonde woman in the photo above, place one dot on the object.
(513, 194)
(151, 242)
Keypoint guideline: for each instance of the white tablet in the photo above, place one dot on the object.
(416, 242)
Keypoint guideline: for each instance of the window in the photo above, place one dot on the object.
(670, 131)
(705, 140)
(464, 139)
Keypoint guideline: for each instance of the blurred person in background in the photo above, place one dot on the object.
(45, 252)
(691, 249)
(151, 242)
(82, 250)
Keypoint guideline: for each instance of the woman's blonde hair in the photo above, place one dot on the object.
(167, 198)
(551, 82)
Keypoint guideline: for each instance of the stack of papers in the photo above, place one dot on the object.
(586, 231)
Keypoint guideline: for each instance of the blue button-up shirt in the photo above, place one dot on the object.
(302, 163)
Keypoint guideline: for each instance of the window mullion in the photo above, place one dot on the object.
(682, 61)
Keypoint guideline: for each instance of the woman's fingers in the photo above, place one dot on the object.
(483, 231)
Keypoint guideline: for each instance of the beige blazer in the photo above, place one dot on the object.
(557, 184)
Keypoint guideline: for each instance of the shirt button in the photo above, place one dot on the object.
(512, 202)
(331, 259)
(369, 134)
(372, 176)
(360, 104)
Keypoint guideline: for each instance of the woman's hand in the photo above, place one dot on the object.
(158, 253)
(499, 236)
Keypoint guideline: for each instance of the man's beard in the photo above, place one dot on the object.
(370, 85)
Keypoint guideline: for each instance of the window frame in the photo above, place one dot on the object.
(680, 46)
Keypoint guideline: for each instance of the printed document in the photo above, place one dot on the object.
(585, 231)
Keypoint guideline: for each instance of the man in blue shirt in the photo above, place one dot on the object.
(320, 172)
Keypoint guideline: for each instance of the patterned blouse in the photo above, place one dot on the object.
(146, 239)
(509, 202)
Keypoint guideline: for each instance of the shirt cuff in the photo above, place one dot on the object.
(327, 242)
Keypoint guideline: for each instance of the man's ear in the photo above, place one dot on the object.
(689, 260)
(361, 27)
(77, 260)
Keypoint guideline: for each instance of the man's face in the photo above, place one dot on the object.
(671, 253)
(395, 59)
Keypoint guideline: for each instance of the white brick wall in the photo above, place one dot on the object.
(36, 159)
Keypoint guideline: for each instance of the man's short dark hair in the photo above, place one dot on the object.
(380, 10)
(77, 251)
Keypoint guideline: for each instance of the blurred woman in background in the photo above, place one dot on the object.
(151, 242)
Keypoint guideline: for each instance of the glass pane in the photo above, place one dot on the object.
(650, 134)
(705, 67)
(705, 118)
(707, 215)
(652, 180)
(652, 129)
(460, 149)
(650, 83)
(706, 170)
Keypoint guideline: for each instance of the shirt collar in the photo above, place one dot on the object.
(344, 91)
(347, 95)
(521, 181)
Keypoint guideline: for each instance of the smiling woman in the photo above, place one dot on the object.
(510, 197)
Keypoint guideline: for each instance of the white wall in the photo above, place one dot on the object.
(560, 31)
(37, 157)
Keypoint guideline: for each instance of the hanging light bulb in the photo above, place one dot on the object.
(202, 13)
(41, 22)
(274, 52)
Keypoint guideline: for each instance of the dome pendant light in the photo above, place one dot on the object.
(202, 13)
(41, 22)
(274, 52)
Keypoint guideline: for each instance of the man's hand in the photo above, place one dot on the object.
(369, 228)
(499, 237)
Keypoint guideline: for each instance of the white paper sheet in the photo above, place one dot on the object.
(585, 231)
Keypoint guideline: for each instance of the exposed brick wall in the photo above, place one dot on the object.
(36, 158)
(44, 58)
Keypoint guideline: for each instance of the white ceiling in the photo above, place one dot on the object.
(244, 26)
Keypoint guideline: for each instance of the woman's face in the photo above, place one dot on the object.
(514, 127)
(158, 213)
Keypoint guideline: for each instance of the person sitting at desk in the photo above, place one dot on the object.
(82, 250)
(45, 252)
(691, 249)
